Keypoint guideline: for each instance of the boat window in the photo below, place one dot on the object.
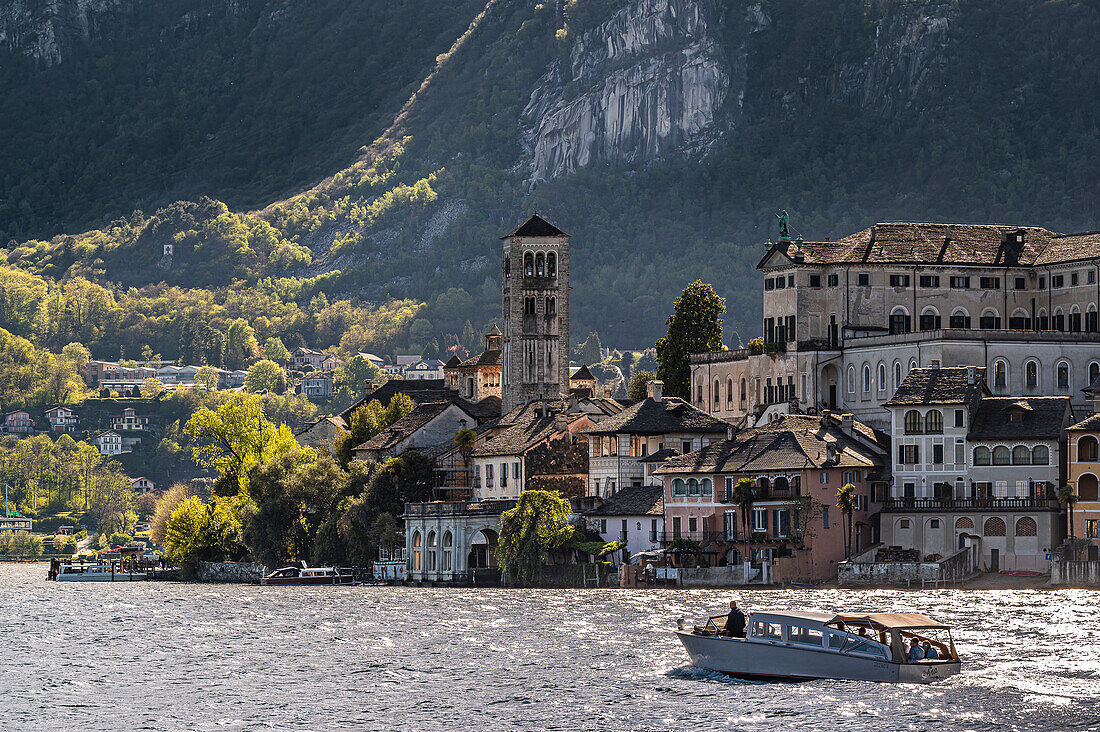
(761, 629)
(808, 636)
(854, 644)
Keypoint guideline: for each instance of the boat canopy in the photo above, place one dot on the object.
(911, 621)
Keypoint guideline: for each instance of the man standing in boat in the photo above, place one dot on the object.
(735, 621)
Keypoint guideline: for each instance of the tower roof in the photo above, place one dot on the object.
(536, 226)
(495, 331)
(583, 374)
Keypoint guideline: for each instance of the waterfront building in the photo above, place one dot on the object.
(845, 321)
(1084, 471)
(797, 463)
(635, 516)
(453, 541)
(973, 469)
(656, 427)
(535, 297)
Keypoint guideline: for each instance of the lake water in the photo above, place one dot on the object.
(167, 656)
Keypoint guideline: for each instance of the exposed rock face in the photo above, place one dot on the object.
(45, 30)
(645, 83)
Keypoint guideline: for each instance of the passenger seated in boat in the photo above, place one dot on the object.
(862, 632)
(735, 622)
(930, 651)
(916, 653)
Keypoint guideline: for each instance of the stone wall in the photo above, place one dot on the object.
(1075, 574)
(863, 571)
(245, 573)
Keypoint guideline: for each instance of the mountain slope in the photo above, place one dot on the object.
(663, 135)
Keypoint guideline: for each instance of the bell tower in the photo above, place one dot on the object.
(536, 313)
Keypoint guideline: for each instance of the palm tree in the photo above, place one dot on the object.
(744, 494)
(1067, 497)
(846, 502)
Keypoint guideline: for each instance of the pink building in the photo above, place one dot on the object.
(18, 422)
(797, 463)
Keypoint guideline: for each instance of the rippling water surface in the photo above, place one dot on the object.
(165, 655)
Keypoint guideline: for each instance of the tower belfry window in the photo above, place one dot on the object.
(540, 265)
(528, 265)
(551, 265)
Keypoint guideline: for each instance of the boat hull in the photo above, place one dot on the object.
(786, 661)
(343, 579)
(98, 577)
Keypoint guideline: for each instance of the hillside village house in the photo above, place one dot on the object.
(1084, 472)
(142, 484)
(845, 321)
(62, 419)
(130, 420)
(796, 462)
(108, 443)
(657, 426)
(635, 516)
(306, 359)
(317, 385)
(972, 469)
(425, 368)
(18, 422)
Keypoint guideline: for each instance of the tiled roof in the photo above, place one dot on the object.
(931, 243)
(1042, 418)
(583, 374)
(649, 417)
(1090, 424)
(535, 226)
(452, 362)
(945, 385)
(524, 427)
(420, 391)
(639, 500)
(405, 427)
(660, 456)
(485, 358)
(791, 442)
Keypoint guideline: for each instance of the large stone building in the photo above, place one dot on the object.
(477, 377)
(536, 313)
(845, 321)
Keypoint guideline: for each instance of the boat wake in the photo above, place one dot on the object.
(694, 673)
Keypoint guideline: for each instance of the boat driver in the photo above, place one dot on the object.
(735, 622)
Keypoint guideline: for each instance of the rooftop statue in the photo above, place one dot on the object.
(784, 231)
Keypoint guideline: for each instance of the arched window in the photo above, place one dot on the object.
(540, 265)
(551, 306)
(1000, 374)
(933, 422)
(717, 393)
(448, 545)
(1042, 322)
(528, 265)
(693, 487)
(678, 487)
(982, 456)
(900, 321)
(930, 319)
(1087, 488)
(1059, 319)
(912, 364)
(1040, 455)
(744, 396)
(851, 379)
(990, 320)
(964, 523)
(1087, 449)
(706, 487)
(1019, 320)
(1094, 373)
(431, 551)
(1021, 455)
(866, 379)
(551, 265)
(1063, 375)
(1001, 455)
(1031, 375)
(1025, 526)
(729, 391)
(882, 376)
(762, 485)
(914, 424)
(994, 527)
(782, 484)
(897, 375)
(418, 541)
(959, 319)
(1075, 319)
(528, 306)
(1090, 319)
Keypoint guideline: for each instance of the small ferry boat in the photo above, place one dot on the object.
(308, 576)
(93, 572)
(808, 645)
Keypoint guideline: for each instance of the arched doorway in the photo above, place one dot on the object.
(829, 379)
(483, 550)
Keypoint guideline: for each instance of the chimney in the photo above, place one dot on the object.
(970, 373)
(826, 239)
(561, 422)
(846, 421)
(368, 385)
(729, 432)
(655, 390)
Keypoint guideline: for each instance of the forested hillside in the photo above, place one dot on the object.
(662, 134)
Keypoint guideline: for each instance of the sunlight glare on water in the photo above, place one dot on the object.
(169, 656)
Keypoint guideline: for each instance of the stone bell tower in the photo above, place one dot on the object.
(536, 313)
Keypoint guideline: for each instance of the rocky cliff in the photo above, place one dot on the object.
(45, 30)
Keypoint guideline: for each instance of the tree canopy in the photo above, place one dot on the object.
(695, 326)
(529, 532)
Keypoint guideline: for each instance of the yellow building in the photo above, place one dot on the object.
(1084, 474)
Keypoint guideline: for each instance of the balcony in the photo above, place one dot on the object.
(969, 504)
(458, 508)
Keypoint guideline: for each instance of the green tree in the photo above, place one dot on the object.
(152, 388)
(166, 505)
(367, 421)
(275, 350)
(207, 376)
(639, 382)
(353, 375)
(846, 502)
(529, 532)
(236, 437)
(695, 326)
(204, 532)
(265, 375)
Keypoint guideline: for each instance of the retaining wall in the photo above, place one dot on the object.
(953, 568)
(245, 573)
(1075, 574)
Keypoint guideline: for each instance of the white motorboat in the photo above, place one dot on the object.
(808, 645)
(308, 576)
(93, 572)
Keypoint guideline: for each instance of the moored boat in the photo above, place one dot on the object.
(308, 576)
(809, 645)
(63, 571)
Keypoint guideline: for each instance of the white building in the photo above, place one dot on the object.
(424, 369)
(634, 516)
(108, 443)
(142, 484)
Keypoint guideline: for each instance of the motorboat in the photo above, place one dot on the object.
(308, 576)
(797, 646)
(63, 571)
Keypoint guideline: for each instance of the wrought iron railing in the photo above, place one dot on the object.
(964, 504)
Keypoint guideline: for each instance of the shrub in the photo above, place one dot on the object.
(118, 539)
